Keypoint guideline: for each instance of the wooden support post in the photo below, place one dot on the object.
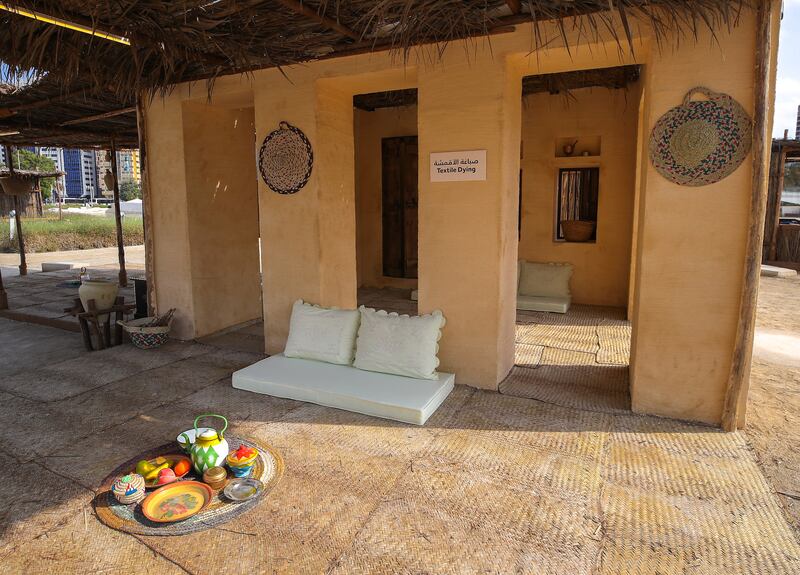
(23, 263)
(147, 207)
(123, 274)
(742, 352)
(3, 294)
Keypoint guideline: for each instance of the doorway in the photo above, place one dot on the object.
(399, 158)
(580, 134)
(387, 219)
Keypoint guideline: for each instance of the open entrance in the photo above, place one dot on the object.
(577, 204)
(386, 160)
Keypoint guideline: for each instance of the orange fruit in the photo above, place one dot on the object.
(181, 467)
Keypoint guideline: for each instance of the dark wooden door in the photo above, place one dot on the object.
(400, 203)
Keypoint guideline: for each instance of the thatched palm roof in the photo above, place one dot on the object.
(173, 41)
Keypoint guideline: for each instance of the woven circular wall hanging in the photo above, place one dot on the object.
(285, 159)
(703, 141)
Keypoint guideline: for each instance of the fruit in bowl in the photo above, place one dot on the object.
(163, 469)
(242, 460)
(165, 476)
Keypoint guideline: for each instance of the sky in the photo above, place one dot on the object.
(787, 90)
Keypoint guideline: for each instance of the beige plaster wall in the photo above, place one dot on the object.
(688, 264)
(222, 215)
(370, 129)
(169, 214)
(204, 213)
(602, 268)
(692, 243)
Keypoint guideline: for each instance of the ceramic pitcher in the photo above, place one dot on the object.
(206, 447)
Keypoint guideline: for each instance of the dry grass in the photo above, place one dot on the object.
(73, 232)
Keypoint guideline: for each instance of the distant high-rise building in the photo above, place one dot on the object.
(797, 127)
(81, 170)
(55, 154)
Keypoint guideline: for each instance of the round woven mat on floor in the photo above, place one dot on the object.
(129, 518)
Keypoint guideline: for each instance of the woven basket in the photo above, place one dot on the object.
(577, 230)
(146, 337)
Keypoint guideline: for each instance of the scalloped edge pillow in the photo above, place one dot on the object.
(399, 344)
(322, 334)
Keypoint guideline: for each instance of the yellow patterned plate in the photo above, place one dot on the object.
(176, 501)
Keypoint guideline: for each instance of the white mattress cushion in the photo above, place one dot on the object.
(322, 334)
(345, 387)
(399, 344)
(551, 304)
(545, 280)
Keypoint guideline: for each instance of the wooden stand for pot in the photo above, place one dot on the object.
(90, 322)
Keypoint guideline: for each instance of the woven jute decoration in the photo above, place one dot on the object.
(702, 141)
(286, 159)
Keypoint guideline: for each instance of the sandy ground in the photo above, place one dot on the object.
(100, 257)
(773, 414)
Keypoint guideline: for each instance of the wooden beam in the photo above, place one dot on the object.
(742, 352)
(103, 116)
(123, 274)
(331, 24)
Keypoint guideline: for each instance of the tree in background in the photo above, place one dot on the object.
(27, 160)
(130, 191)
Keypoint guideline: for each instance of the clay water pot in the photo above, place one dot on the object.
(103, 292)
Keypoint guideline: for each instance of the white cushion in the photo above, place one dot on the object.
(399, 344)
(345, 387)
(545, 280)
(322, 334)
(537, 303)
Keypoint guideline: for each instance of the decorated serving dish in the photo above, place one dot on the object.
(176, 501)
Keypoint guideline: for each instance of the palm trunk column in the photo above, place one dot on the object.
(123, 274)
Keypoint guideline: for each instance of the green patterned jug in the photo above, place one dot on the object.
(209, 448)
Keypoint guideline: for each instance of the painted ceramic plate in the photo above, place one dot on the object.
(173, 458)
(176, 501)
(243, 489)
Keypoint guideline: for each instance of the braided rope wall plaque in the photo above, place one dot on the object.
(285, 159)
(701, 142)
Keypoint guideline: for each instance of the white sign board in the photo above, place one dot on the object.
(458, 166)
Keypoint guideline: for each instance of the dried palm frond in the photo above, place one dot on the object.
(172, 42)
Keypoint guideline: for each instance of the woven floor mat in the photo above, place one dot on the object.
(528, 355)
(669, 508)
(565, 336)
(614, 338)
(559, 385)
